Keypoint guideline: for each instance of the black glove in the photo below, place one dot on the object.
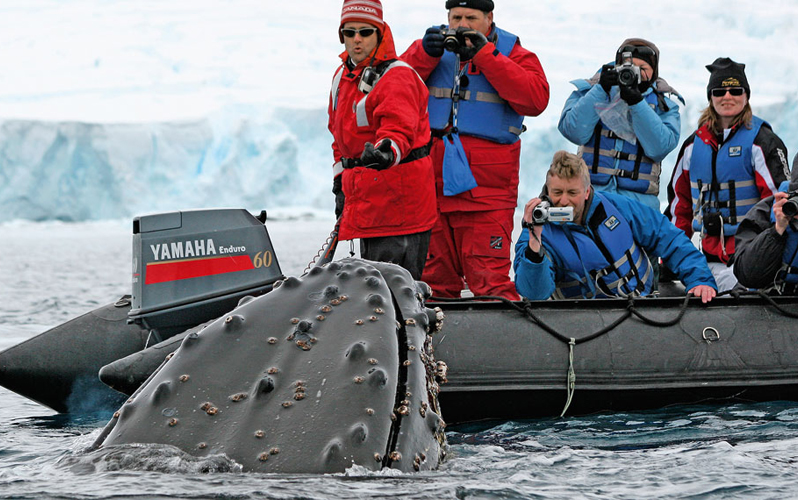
(339, 196)
(433, 41)
(631, 94)
(478, 40)
(378, 158)
(608, 77)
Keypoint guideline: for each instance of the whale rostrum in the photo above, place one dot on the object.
(328, 370)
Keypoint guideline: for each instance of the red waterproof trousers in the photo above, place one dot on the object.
(474, 245)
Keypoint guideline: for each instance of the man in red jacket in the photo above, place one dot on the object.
(383, 178)
(475, 150)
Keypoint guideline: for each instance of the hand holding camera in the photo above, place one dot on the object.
(631, 94)
(785, 208)
(433, 41)
(790, 207)
(542, 212)
(608, 78)
(455, 40)
(626, 75)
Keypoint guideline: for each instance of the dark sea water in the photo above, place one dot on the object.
(50, 273)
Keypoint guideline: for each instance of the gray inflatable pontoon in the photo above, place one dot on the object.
(506, 360)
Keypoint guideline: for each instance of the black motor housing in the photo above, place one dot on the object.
(192, 266)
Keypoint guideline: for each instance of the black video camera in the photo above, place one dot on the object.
(790, 207)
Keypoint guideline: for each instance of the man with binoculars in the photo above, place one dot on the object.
(766, 241)
(603, 250)
(482, 83)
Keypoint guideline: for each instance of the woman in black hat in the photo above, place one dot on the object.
(724, 168)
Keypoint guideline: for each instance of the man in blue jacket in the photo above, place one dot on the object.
(603, 251)
(623, 123)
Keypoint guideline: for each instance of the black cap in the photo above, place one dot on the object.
(483, 5)
(726, 73)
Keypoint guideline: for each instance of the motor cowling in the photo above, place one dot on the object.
(193, 266)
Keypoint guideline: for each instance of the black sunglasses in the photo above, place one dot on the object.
(735, 91)
(363, 32)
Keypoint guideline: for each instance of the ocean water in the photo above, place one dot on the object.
(52, 272)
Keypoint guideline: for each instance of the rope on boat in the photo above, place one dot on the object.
(653, 322)
(772, 302)
(324, 248)
(571, 384)
(527, 310)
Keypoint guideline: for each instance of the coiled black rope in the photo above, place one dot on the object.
(526, 308)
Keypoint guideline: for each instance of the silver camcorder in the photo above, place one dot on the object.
(628, 73)
(544, 213)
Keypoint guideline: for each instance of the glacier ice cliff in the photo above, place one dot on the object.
(243, 156)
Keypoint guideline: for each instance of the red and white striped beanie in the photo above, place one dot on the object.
(364, 11)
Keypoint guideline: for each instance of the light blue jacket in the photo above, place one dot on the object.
(650, 229)
(656, 129)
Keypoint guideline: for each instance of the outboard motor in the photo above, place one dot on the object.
(188, 268)
(193, 266)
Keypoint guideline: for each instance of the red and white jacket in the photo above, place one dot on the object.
(401, 199)
(769, 168)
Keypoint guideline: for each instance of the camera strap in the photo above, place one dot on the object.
(458, 74)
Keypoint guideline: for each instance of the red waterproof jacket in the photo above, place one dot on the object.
(401, 199)
(519, 79)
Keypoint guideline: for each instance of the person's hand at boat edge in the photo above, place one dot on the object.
(706, 292)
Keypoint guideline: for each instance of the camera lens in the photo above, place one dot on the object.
(626, 77)
(790, 207)
(451, 44)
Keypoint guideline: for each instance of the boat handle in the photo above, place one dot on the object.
(711, 334)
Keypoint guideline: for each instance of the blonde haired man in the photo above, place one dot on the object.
(602, 252)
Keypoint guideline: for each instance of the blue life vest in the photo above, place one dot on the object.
(635, 171)
(788, 274)
(602, 259)
(724, 182)
(481, 112)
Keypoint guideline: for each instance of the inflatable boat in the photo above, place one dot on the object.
(505, 360)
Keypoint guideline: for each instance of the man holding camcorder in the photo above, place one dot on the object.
(766, 241)
(482, 83)
(582, 243)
